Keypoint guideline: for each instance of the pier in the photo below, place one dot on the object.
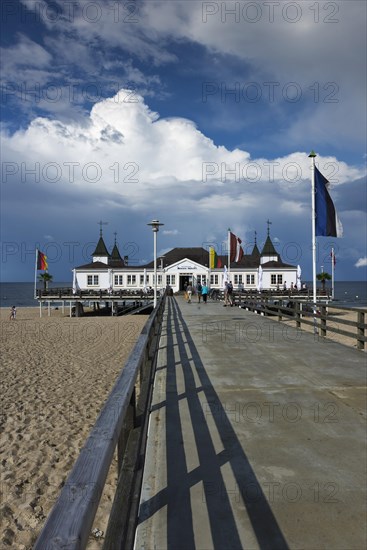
(254, 436)
(115, 302)
(257, 436)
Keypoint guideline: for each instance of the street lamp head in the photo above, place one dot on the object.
(155, 225)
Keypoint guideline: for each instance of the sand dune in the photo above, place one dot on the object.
(56, 374)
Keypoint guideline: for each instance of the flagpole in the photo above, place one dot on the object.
(313, 155)
(332, 272)
(35, 275)
(209, 270)
(229, 254)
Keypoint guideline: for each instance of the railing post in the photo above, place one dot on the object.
(360, 330)
(129, 424)
(298, 314)
(279, 312)
(323, 321)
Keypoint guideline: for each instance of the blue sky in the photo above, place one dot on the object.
(200, 114)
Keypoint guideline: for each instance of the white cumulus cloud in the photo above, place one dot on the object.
(362, 262)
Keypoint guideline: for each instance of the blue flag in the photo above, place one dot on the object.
(327, 221)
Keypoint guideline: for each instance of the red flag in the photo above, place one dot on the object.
(236, 251)
(42, 264)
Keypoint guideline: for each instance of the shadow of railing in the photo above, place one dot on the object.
(176, 496)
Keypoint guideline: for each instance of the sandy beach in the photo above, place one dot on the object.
(56, 374)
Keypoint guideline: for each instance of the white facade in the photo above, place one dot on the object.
(179, 273)
(182, 266)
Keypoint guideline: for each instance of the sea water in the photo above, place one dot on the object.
(347, 293)
(22, 294)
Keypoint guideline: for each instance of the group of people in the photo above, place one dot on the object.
(201, 291)
(293, 287)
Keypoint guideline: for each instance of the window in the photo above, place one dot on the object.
(214, 279)
(131, 279)
(238, 279)
(92, 280)
(250, 279)
(118, 280)
(171, 279)
(159, 279)
(276, 279)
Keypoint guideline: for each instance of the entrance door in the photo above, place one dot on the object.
(185, 280)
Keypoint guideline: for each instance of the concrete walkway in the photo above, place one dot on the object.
(257, 437)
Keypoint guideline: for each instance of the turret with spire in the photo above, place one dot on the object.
(268, 253)
(101, 253)
(255, 251)
(116, 259)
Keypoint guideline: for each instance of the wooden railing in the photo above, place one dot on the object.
(67, 293)
(321, 317)
(122, 423)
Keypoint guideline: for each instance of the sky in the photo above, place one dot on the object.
(199, 114)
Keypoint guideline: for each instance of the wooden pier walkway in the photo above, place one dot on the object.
(257, 436)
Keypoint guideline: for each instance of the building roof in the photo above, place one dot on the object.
(101, 249)
(116, 259)
(277, 264)
(268, 249)
(247, 261)
(195, 254)
(255, 251)
(93, 265)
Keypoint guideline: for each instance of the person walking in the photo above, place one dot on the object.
(189, 293)
(230, 293)
(228, 290)
(204, 292)
(13, 313)
(198, 290)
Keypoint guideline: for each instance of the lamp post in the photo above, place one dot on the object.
(155, 224)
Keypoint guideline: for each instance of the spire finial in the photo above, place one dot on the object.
(115, 236)
(255, 237)
(269, 224)
(100, 227)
